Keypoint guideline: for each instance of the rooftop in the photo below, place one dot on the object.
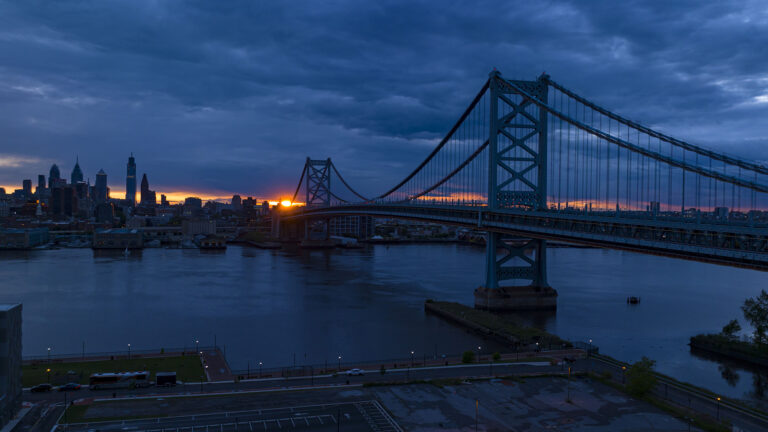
(5, 307)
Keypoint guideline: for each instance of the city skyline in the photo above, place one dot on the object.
(242, 110)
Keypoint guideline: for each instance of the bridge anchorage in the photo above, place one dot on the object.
(531, 161)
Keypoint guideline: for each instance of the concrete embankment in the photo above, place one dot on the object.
(502, 329)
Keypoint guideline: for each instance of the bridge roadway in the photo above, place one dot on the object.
(732, 244)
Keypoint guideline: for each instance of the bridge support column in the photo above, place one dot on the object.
(521, 260)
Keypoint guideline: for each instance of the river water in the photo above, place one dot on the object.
(308, 307)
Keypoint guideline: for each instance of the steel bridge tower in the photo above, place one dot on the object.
(517, 178)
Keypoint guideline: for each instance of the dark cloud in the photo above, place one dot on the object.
(232, 96)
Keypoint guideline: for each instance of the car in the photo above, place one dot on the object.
(40, 388)
(354, 372)
(69, 387)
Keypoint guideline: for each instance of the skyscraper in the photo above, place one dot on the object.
(101, 187)
(148, 197)
(27, 188)
(130, 181)
(40, 186)
(53, 176)
(77, 173)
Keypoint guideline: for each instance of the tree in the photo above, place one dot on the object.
(468, 357)
(730, 329)
(756, 313)
(640, 377)
(496, 356)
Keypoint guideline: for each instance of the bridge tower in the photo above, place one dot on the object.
(318, 194)
(517, 178)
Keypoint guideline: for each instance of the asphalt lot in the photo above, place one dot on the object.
(358, 416)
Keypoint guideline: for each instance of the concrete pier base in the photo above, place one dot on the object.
(516, 298)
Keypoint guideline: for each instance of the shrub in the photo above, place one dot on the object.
(496, 356)
(640, 377)
(468, 357)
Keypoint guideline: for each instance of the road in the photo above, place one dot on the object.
(391, 376)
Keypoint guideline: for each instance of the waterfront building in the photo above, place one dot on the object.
(10, 362)
(26, 186)
(118, 238)
(130, 181)
(77, 173)
(193, 227)
(53, 176)
(360, 227)
(237, 203)
(100, 188)
(23, 238)
(148, 197)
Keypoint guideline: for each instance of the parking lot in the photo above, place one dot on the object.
(360, 416)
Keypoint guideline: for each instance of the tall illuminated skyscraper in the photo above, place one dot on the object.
(130, 181)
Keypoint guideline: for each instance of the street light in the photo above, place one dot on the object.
(478, 353)
(197, 345)
(623, 374)
(49, 375)
(339, 363)
(129, 351)
(411, 358)
(260, 369)
(49, 354)
(718, 408)
(537, 347)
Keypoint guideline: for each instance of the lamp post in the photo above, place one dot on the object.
(478, 353)
(411, 358)
(49, 374)
(537, 347)
(129, 351)
(260, 369)
(197, 345)
(568, 398)
(339, 363)
(49, 354)
(623, 374)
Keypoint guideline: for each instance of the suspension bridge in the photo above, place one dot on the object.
(532, 161)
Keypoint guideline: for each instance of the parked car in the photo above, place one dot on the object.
(41, 388)
(69, 387)
(355, 372)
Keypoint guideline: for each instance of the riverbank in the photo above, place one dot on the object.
(503, 329)
(735, 349)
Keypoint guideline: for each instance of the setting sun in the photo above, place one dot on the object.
(285, 203)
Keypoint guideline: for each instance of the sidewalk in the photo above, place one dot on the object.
(216, 367)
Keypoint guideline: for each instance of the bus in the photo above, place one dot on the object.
(119, 380)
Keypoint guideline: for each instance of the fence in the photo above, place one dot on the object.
(114, 355)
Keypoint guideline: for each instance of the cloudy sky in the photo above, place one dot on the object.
(223, 97)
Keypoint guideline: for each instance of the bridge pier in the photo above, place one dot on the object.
(521, 260)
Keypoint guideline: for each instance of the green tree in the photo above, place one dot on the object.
(496, 356)
(756, 313)
(640, 377)
(468, 357)
(730, 329)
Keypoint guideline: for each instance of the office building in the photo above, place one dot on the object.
(54, 177)
(163, 200)
(118, 238)
(130, 181)
(100, 189)
(26, 186)
(77, 173)
(237, 202)
(148, 197)
(10, 361)
(41, 191)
